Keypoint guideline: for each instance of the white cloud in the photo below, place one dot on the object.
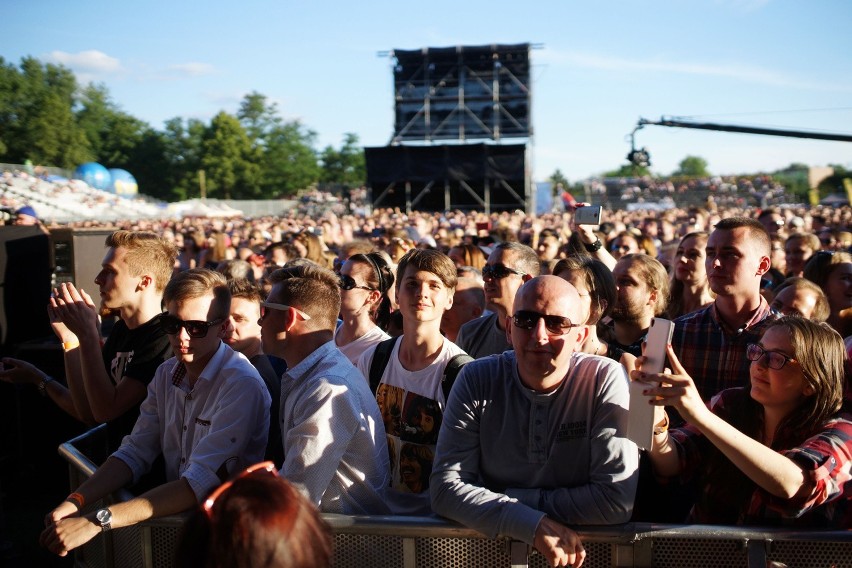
(192, 69)
(91, 62)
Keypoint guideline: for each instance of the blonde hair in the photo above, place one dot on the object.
(146, 252)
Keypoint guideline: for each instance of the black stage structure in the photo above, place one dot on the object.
(474, 96)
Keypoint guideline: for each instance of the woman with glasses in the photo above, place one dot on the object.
(832, 271)
(365, 307)
(690, 288)
(774, 453)
(596, 286)
(256, 519)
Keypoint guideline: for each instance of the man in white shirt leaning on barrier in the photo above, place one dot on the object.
(207, 411)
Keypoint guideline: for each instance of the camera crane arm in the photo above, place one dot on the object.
(744, 129)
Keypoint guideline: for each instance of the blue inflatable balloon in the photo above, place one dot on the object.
(123, 183)
(94, 174)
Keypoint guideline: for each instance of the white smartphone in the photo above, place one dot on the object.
(588, 215)
(640, 423)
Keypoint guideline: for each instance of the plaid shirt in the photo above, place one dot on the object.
(714, 355)
(728, 496)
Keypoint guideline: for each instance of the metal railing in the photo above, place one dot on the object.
(416, 542)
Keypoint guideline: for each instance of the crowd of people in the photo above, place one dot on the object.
(470, 365)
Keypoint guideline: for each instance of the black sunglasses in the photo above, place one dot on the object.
(348, 283)
(555, 325)
(194, 328)
(499, 271)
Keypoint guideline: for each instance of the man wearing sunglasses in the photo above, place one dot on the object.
(332, 434)
(535, 439)
(509, 265)
(207, 412)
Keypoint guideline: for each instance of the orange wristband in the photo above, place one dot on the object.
(80, 500)
(69, 345)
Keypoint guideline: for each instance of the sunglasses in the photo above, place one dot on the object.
(194, 328)
(266, 466)
(281, 307)
(555, 325)
(774, 359)
(348, 283)
(499, 271)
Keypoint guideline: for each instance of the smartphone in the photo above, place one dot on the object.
(588, 215)
(640, 419)
(659, 336)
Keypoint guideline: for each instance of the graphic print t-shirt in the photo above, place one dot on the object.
(412, 405)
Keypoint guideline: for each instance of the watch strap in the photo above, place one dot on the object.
(593, 247)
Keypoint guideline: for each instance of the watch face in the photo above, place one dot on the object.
(104, 516)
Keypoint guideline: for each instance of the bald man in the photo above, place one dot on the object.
(534, 439)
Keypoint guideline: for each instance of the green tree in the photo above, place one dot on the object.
(258, 117)
(692, 166)
(36, 112)
(183, 148)
(112, 134)
(290, 161)
(229, 160)
(344, 167)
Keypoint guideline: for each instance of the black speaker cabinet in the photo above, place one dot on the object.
(77, 255)
(25, 285)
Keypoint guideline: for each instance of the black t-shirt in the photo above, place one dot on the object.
(133, 354)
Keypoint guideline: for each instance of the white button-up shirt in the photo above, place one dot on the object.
(206, 433)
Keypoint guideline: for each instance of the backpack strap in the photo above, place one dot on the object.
(451, 371)
(380, 361)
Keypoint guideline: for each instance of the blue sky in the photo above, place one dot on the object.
(602, 65)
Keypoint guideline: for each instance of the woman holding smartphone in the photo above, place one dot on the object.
(774, 453)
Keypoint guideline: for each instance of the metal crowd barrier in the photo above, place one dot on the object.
(419, 542)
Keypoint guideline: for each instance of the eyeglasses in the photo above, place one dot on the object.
(774, 359)
(499, 271)
(266, 466)
(555, 325)
(194, 328)
(281, 307)
(348, 283)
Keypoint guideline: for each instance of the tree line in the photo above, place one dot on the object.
(46, 117)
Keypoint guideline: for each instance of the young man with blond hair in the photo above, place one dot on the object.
(107, 383)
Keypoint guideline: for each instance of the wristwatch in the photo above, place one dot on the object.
(593, 247)
(104, 517)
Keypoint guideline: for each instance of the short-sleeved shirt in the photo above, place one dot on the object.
(412, 406)
(354, 349)
(481, 337)
(133, 354)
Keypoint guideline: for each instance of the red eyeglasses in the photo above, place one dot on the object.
(267, 466)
